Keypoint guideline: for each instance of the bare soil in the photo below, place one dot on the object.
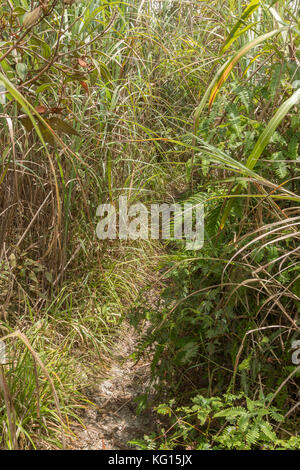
(113, 421)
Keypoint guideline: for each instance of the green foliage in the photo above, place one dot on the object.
(228, 310)
(99, 99)
(227, 422)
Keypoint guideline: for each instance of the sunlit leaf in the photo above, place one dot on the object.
(31, 17)
(236, 30)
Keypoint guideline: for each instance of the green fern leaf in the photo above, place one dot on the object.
(253, 435)
(267, 430)
(231, 413)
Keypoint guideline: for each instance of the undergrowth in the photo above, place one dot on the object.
(168, 101)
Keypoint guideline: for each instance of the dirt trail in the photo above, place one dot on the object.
(113, 421)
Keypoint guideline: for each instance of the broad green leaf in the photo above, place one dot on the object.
(19, 11)
(44, 87)
(21, 70)
(6, 66)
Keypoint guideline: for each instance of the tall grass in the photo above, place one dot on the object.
(100, 99)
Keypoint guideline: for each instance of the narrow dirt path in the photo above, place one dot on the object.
(114, 421)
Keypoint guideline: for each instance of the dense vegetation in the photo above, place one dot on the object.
(161, 101)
